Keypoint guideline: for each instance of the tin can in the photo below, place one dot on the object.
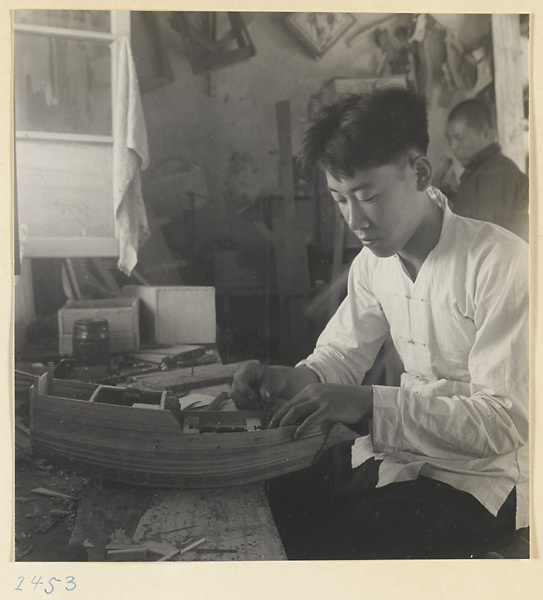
(91, 342)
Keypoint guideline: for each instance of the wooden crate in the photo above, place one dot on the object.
(176, 314)
(122, 315)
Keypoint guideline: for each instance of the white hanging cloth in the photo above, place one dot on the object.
(130, 154)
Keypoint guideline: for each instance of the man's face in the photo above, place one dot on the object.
(465, 141)
(380, 205)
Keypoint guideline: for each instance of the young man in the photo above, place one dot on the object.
(492, 188)
(450, 442)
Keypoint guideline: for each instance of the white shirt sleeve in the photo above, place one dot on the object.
(347, 347)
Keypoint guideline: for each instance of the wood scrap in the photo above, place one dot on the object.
(168, 556)
(192, 545)
(127, 553)
(171, 355)
(160, 550)
(52, 494)
(215, 550)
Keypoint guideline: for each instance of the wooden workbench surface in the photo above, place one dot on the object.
(236, 522)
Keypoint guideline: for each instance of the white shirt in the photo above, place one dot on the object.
(460, 415)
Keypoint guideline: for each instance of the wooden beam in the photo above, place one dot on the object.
(339, 241)
(508, 85)
(286, 172)
(40, 247)
(72, 278)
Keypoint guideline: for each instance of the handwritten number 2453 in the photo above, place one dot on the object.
(49, 587)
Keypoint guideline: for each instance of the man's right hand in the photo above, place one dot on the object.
(259, 386)
(256, 385)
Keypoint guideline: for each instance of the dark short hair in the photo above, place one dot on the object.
(474, 112)
(366, 130)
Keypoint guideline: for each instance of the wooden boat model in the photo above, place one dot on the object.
(109, 433)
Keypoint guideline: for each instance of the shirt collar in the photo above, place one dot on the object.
(439, 198)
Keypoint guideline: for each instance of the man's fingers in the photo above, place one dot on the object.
(312, 420)
(276, 419)
(296, 413)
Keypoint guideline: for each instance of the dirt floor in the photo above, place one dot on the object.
(43, 524)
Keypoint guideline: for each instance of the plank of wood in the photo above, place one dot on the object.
(135, 553)
(178, 353)
(191, 545)
(286, 172)
(70, 272)
(508, 85)
(290, 250)
(186, 379)
(159, 549)
(237, 520)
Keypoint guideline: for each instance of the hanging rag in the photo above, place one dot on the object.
(130, 154)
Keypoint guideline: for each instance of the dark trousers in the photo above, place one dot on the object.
(332, 512)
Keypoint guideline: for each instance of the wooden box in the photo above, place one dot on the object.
(176, 314)
(122, 315)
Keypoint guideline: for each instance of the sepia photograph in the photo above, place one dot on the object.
(271, 287)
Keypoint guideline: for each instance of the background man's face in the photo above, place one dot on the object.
(465, 141)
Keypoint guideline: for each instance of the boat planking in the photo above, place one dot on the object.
(144, 438)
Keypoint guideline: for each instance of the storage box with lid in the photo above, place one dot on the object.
(122, 315)
(172, 314)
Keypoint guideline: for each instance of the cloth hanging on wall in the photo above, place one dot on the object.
(130, 154)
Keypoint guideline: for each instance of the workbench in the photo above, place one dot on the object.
(236, 523)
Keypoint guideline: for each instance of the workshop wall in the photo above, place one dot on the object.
(225, 120)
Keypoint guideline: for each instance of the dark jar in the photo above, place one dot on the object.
(91, 342)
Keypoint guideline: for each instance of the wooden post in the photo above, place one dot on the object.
(339, 241)
(508, 86)
(282, 112)
(290, 251)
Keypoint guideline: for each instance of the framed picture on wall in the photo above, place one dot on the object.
(317, 31)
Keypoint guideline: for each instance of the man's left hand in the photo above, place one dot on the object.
(325, 402)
